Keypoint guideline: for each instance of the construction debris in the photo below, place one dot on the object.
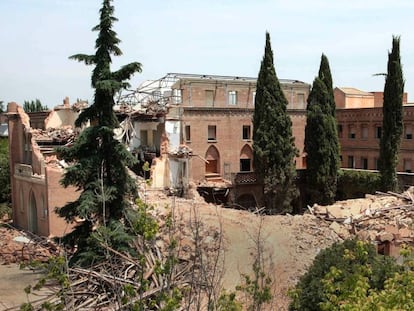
(384, 219)
(23, 247)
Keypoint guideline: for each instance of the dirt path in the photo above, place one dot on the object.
(13, 280)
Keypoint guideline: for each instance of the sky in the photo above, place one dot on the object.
(214, 37)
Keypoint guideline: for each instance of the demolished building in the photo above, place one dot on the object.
(35, 171)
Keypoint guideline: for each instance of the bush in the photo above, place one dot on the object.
(349, 261)
(355, 184)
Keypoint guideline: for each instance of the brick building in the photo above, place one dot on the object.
(196, 131)
(359, 117)
(35, 171)
(213, 116)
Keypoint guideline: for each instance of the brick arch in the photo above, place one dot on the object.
(246, 158)
(213, 158)
(246, 152)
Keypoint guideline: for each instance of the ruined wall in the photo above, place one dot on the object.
(57, 197)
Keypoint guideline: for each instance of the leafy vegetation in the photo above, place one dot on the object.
(321, 139)
(34, 106)
(339, 272)
(392, 124)
(355, 184)
(273, 143)
(396, 294)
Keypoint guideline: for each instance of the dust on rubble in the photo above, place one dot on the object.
(291, 242)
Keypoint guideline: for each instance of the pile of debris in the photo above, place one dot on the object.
(384, 219)
(62, 135)
(22, 247)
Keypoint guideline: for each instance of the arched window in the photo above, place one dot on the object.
(246, 158)
(213, 158)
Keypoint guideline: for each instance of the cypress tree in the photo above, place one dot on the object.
(326, 77)
(392, 124)
(98, 160)
(273, 143)
(321, 139)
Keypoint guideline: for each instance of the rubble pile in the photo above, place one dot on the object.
(61, 135)
(20, 247)
(381, 218)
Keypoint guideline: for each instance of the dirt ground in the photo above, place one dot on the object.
(13, 280)
(290, 244)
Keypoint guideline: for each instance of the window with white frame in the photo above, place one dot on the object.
(177, 96)
(232, 97)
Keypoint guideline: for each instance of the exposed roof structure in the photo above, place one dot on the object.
(159, 93)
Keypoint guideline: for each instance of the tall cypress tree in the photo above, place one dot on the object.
(326, 77)
(273, 143)
(321, 139)
(98, 160)
(392, 124)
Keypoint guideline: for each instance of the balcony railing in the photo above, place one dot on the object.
(245, 178)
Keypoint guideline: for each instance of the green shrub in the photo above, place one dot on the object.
(356, 183)
(349, 261)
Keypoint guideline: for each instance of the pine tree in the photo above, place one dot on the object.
(392, 124)
(321, 139)
(98, 160)
(273, 143)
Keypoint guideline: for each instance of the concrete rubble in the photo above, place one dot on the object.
(384, 219)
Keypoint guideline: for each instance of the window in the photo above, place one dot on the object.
(212, 133)
(364, 163)
(408, 132)
(232, 98)
(253, 98)
(301, 100)
(351, 162)
(187, 131)
(407, 166)
(351, 132)
(209, 98)
(177, 96)
(246, 132)
(378, 131)
(340, 130)
(364, 131)
(245, 165)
